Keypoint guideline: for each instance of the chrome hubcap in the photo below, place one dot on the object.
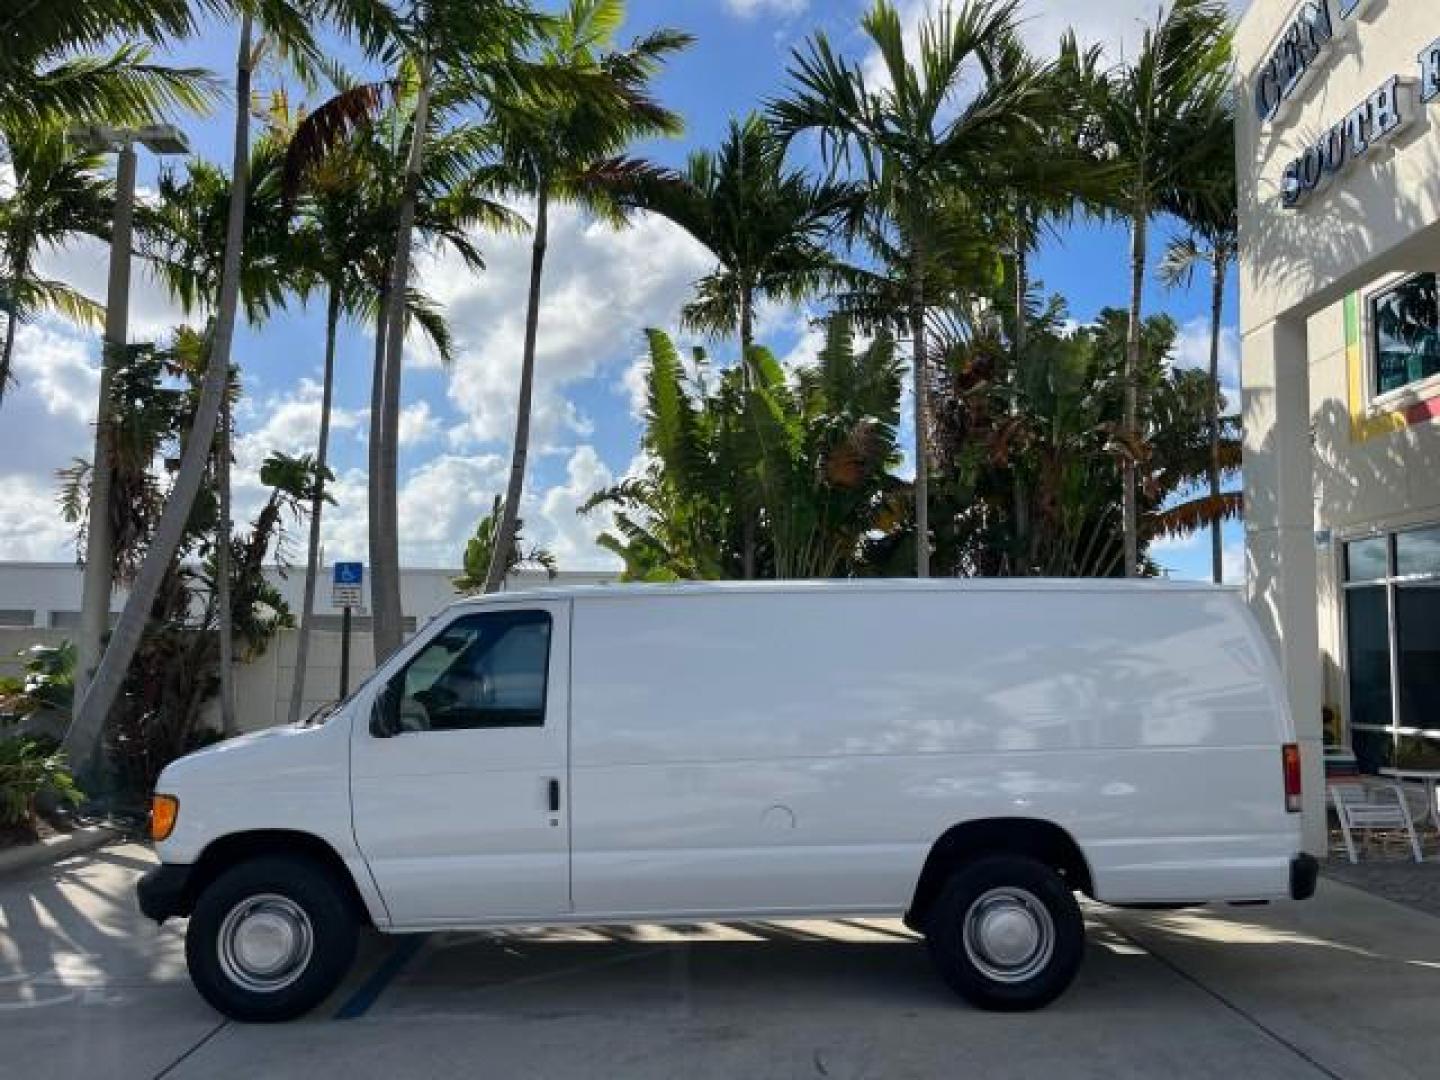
(265, 943)
(1009, 935)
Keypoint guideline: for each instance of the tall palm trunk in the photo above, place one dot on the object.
(317, 505)
(510, 513)
(226, 615)
(1019, 490)
(922, 413)
(17, 264)
(83, 738)
(1218, 257)
(1139, 228)
(377, 395)
(385, 519)
(749, 526)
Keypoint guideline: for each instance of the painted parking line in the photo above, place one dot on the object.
(359, 1003)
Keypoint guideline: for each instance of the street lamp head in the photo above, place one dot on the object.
(96, 138)
(103, 139)
(163, 139)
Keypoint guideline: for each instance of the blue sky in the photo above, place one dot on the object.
(603, 289)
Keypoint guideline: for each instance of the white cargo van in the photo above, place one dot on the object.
(967, 755)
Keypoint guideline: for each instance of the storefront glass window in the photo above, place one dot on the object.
(1366, 560)
(1417, 552)
(1417, 635)
(1406, 325)
(1367, 618)
(1392, 642)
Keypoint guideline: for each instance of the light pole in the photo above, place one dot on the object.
(160, 139)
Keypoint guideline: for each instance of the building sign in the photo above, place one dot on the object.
(1301, 47)
(1370, 125)
(1394, 106)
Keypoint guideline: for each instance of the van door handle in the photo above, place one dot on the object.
(554, 789)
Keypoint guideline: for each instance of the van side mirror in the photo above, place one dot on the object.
(385, 714)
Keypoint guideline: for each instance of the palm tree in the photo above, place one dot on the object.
(766, 225)
(927, 152)
(1148, 113)
(60, 62)
(480, 548)
(459, 51)
(184, 237)
(57, 193)
(564, 146)
(346, 206)
(1208, 206)
(291, 27)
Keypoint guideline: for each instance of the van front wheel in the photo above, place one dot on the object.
(270, 939)
(1006, 933)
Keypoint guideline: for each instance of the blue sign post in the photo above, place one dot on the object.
(346, 588)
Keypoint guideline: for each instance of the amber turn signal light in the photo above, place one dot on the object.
(164, 811)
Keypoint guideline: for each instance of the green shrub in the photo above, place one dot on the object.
(28, 768)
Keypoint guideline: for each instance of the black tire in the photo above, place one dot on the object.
(297, 886)
(1013, 888)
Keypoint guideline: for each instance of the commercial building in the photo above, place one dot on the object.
(1339, 173)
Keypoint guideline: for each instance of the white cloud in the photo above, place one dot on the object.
(1117, 25)
(1232, 560)
(31, 529)
(1192, 350)
(440, 502)
(47, 419)
(59, 365)
(84, 264)
(564, 531)
(747, 9)
(602, 288)
(418, 424)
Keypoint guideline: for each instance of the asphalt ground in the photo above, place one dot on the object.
(1345, 985)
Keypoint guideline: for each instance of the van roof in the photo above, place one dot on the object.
(633, 591)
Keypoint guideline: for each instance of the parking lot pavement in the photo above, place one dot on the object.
(1347, 985)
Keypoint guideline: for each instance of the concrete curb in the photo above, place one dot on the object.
(52, 850)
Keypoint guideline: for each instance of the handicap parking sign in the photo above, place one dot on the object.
(347, 584)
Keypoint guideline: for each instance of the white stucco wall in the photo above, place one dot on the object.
(1377, 216)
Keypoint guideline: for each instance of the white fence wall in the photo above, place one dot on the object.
(44, 598)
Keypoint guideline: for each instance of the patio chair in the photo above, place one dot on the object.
(1368, 807)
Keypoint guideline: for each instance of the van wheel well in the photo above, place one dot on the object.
(236, 848)
(1041, 840)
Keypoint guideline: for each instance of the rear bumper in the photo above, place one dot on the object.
(165, 892)
(1304, 870)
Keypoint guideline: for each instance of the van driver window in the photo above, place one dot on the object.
(481, 671)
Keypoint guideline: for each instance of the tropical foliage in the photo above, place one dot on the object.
(896, 201)
(480, 550)
(816, 447)
(175, 675)
(29, 769)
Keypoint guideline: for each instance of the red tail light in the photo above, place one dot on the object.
(1290, 759)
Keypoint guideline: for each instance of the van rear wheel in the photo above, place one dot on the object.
(1006, 933)
(270, 938)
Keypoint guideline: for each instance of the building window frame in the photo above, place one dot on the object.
(1377, 401)
(1391, 582)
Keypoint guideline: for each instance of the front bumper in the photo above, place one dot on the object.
(165, 892)
(1304, 870)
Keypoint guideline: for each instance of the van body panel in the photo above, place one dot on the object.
(288, 779)
(748, 751)
(455, 824)
(1145, 723)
